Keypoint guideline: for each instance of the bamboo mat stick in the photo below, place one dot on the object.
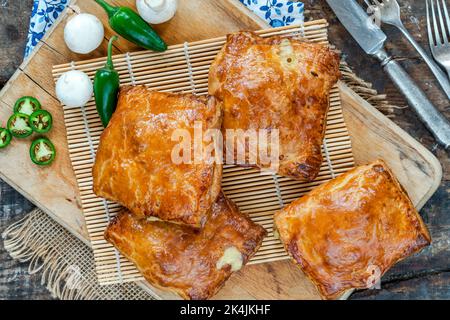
(255, 194)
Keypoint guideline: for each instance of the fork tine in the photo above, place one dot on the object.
(441, 21)
(447, 17)
(430, 32)
(436, 28)
(368, 3)
(371, 6)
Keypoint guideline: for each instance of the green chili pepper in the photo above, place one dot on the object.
(41, 121)
(132, 27)
(5, 138)
(42, 151)
(27, 105)
(19, 125)
(106, 87)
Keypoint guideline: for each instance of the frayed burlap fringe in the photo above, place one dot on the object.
(365, 90)
(66, 264)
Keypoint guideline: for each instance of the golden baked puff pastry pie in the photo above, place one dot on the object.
(134, 164)
(192, 263)
(348, 232)
(278, 83)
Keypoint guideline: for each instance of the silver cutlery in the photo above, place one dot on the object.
(371, 39)
(440, 46)
(389, 12)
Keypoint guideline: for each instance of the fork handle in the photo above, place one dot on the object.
(434, 67)
(427, 112)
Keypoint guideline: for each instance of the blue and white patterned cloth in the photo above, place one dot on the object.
(277, 12)
(43, 15)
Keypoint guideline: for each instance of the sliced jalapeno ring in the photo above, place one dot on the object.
(42, 152)
(27, 105)
(19, 125)
(41, 121)
(5, 138)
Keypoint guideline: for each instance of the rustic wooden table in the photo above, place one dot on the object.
(426, 276)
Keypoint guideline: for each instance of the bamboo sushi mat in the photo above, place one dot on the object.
(185, 68)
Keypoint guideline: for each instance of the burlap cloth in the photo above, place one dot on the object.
(66, 264)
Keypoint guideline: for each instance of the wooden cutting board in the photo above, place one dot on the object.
(374, 136)
(54, 189)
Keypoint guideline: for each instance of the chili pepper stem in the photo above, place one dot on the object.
(109, 62)
(110, 10)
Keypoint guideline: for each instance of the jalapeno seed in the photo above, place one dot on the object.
(41, 121)
(27, 105)
(19, 125)
(42, 151)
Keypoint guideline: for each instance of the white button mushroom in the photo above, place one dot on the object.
(84, 33)
(157, 11)
(74, 88)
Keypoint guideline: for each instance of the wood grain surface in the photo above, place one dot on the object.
(35, 80)
(15, 281)
(435, 260)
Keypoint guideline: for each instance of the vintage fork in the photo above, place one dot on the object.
(440, 46)
(389, 11)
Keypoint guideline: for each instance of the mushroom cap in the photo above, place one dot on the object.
(84, 33)
(156, 11)
(74, 88)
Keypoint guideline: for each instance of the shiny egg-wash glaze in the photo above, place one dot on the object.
(179, 259)
(357, 225)
(278, 83)
(134, 166)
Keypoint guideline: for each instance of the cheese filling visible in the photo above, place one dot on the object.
(232, 257)
(276, 234)
(287, 55)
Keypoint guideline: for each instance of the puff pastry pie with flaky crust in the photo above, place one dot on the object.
(347, 230)
(192, 263)
(134, 163)
(278, 83)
